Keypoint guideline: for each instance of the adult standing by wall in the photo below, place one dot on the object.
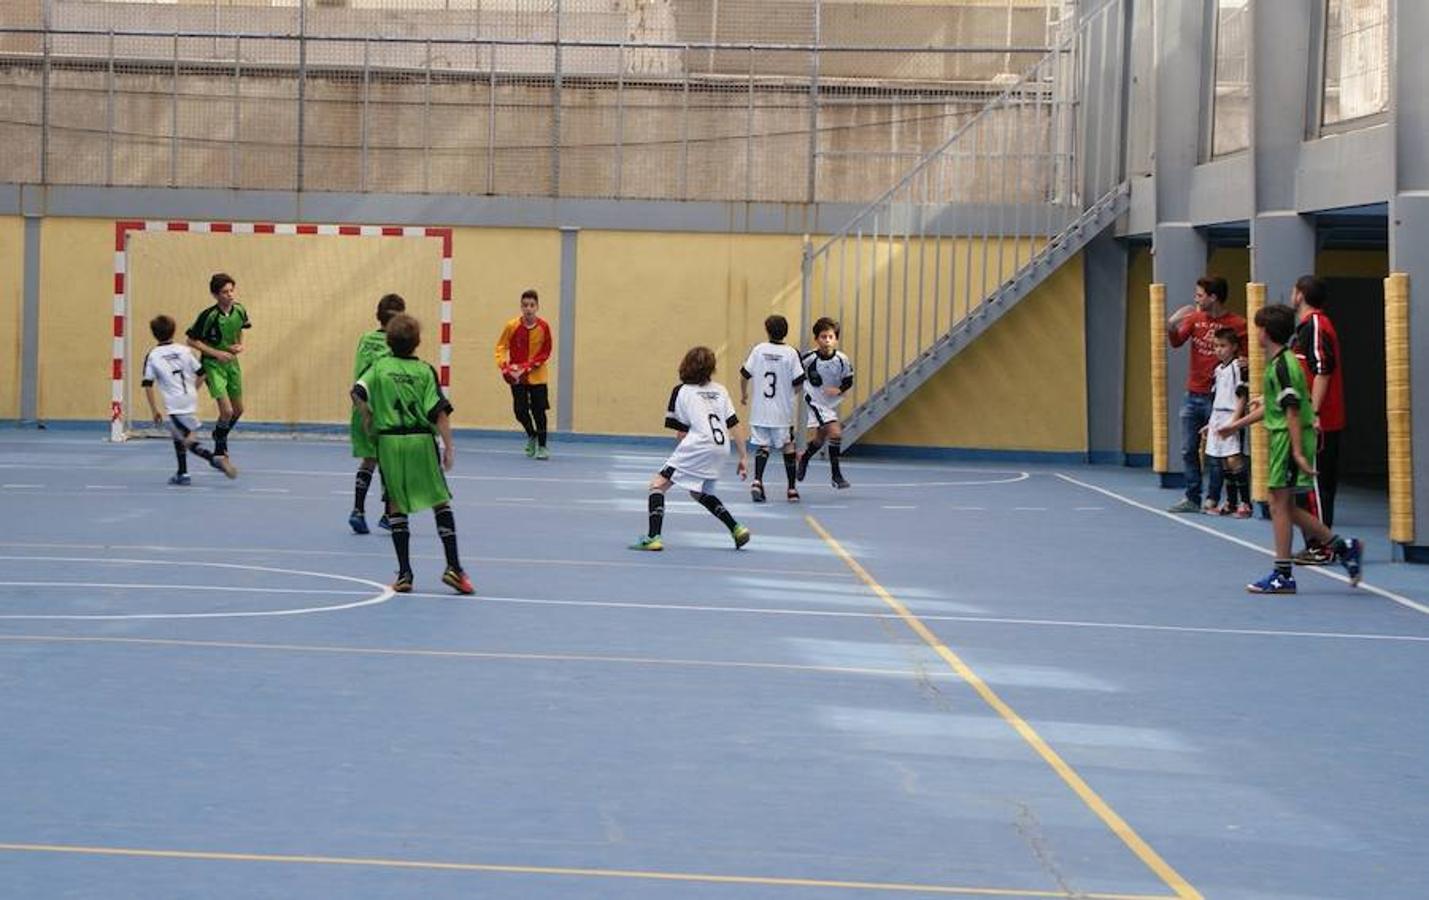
(1198, 322)
(521, 354)
(1318, 347)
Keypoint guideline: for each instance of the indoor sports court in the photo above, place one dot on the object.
(1065, 322)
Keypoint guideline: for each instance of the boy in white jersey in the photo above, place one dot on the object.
(829, 375)
(777, 374)
(1225, 453)
(177, 373)
(701, 413)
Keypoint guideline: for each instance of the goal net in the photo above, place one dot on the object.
(310, 290)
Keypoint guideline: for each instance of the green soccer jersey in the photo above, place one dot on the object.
(370, 347)
(404, 395)
(219, 329)
(1287, 394)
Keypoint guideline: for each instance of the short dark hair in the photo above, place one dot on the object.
(824, 323)
(698, 366)
(777, 327)
(404, 334)
(1277, 321)
(218, 281)
(1227, 334)
(1312, 290)
(1214, 285)
(389, 306)
(162, 328)
(531, 292)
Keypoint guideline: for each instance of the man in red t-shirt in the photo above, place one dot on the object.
(1198, 323)
(1318, 348)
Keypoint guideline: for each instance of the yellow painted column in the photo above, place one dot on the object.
(1259, 437)
(1159, 449)
(1401, 459)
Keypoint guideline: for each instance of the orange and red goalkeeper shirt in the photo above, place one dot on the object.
(525, 347)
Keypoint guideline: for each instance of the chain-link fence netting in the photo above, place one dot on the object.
(754, 100)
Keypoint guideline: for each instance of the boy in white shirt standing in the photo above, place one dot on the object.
(777, 374)
(701, 413)
(177, 374)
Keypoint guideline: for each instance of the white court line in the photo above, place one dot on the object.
(21, 485)
(106, 487)
(668, 566)
(384, 593)
(180, 587)
(977, 620)
(887, 506)
(269, 491)
(1182, 520)
(469, 654)
(1029, 509)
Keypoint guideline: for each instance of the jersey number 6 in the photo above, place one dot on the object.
(716, 432)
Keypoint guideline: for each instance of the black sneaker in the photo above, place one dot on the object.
(802, 469)
(1353, 560)
(1314, 555)
(841, 483)
(756, 491)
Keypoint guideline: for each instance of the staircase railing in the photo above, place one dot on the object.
(981, 212)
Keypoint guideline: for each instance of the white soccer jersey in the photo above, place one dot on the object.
(175, 370)
(704, 412)
(820, 373)
(776, 374)
(1230, 384)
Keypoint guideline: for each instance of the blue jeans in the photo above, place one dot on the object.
(1195, 413)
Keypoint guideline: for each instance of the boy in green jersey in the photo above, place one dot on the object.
(1285, 408)
(370, 347)
(401, 403)
(217, 335)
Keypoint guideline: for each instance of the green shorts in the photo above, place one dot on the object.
(412, 472)
(225, 379)
(1283, 472)
(364, 445)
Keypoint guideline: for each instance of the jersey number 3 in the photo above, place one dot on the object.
(773, 384)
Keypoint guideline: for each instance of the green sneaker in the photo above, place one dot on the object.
(541, 453)
(1184, 506)
(531, 446)
(740, 535)
(647, 542)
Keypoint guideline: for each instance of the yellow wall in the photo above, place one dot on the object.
(12, 307)
(1019, 386)
(76, 303)
(1352, 264)
(1232, 264)
(1136, 411)
(644, 298)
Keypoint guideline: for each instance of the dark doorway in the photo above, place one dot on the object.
(1356, 306)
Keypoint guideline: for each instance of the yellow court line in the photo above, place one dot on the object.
(1115, 822)
(429, 865)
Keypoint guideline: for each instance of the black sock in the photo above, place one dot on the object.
(711, 503)
(1232, 491)
(812, 448)
(761, 459)
(181, 452)
(1283, 568)
(657, 513)
(220, 437)
(201, 451)
(364, 481)
(791, 464)
(401, 542)
(538, 417)
(1338, 545)
(446, 530)
(835, 448)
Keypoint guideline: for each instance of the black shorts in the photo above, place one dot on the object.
(535, 396)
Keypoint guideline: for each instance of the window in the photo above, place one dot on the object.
(1230, 100)
(1356, 79)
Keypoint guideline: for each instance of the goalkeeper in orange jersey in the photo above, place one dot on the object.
(521, 354)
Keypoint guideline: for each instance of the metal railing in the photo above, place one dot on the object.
(978, 214)
(545, 114)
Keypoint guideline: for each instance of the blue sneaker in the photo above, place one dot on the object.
(358, 522)
(181, 480)
(383, 523)
(1353, 560)
(1274, 583)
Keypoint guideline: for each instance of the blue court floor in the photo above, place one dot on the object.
(952, 680)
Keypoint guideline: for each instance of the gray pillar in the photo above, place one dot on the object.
(566, 340)
(1282, 243)
(30, 329)
(1409, 233)
(1104, 276)
(1178, 250)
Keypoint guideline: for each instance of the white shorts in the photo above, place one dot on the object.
(770, 435)
(819, 414)
(1231, 445)
(686, 481)
(181, 425)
